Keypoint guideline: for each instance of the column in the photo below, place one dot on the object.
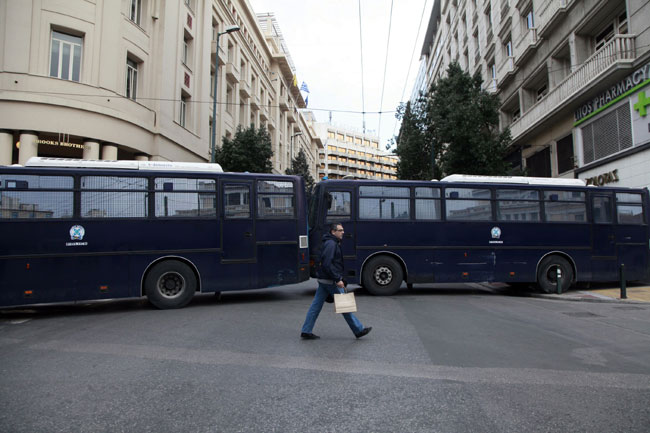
(109, 152)
(28, 146)
(141, 157)
(6, 147)
(91, 150)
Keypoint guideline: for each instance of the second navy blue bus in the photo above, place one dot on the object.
(483, 229)
(84, 230)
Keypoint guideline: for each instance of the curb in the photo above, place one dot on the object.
(586, 298)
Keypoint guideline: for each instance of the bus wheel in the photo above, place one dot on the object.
(170, 284)
(382, 276)
(547, 274)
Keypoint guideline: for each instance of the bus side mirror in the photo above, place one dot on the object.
(453, 194)
(168, 186)
(328, 198)
(553, 197)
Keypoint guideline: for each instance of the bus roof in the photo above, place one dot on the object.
(123, 165)
(513, 179)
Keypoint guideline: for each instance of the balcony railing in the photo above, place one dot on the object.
(620, 49)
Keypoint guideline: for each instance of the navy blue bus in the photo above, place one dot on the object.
(84, 230)
(475, 229)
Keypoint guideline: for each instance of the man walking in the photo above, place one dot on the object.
(330, 281)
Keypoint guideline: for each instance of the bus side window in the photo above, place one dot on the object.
(629, 208)
(338, 206)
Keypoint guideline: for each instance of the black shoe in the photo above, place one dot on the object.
(363, 332)
(329, 299)
(309, 336)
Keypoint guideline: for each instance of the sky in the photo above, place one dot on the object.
(323, 39)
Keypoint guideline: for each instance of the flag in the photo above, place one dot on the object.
(304, 87)
(295, 81)
(307, 101)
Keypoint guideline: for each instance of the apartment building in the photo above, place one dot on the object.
(353, 155)
(136, 79)
(571, 75)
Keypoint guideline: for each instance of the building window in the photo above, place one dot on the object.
(541, 92)
(530, 19)
(136, 10)
(131, 79)
(508, 47)
(183, 114)
(565, 159)
(539, 164)
(65, 56)
(229, 99)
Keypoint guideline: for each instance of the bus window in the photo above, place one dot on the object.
(275, 199)
(339, 206)
(382, 202)
(629, 208)
(468, 204)
(565, 206)
(236, 201)
(35, 197)
(518, 205)
(427, 203)
(602, 210)
(182, 197)
(113, 197)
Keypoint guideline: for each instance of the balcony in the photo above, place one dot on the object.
(245, 89)
(213, 54)
(255, 102)
(526, 46)
(550, 14)
(620, 51)
(291, 115)
(232, 73)
(506, 71)
(284, 106)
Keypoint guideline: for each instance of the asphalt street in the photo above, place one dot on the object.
(444, 358)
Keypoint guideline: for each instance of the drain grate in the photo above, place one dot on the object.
(582, 314)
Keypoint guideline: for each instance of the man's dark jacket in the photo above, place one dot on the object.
(331, 259)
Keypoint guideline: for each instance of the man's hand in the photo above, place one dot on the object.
(340, 284)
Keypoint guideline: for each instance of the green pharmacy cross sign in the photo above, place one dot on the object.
(641, 104)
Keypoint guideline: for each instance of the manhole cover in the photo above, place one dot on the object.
(581, 314)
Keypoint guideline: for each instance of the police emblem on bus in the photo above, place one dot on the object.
(77, 233)
(496, 232)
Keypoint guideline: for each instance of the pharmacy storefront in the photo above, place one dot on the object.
(612, 133)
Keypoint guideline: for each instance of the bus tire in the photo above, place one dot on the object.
(170, 284)
(382, 276)
(547, 274)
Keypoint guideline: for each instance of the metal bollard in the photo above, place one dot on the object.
(559, 280)
(623, 287)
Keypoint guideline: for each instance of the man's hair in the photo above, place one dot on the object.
(335, 226)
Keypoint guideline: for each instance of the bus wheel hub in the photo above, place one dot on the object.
(171, 284)
(383, 275)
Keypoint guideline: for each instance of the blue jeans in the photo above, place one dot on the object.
(317, 305)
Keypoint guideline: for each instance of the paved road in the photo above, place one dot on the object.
(448, 359)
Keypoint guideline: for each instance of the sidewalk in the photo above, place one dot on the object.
(636, 293)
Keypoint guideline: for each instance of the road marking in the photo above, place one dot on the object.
(505, 376)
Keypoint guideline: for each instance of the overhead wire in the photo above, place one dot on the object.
(383, 86)
(408, 73)
(363, 101)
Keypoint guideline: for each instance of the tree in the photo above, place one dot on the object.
(465, 118)
(250, 151)
(414, 145)
(300, 167)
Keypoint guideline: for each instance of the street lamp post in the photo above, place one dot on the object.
(294, 135)
(229, 29)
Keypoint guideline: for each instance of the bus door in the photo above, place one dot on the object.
(237, 234)
(339, 202)
(603, 239)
